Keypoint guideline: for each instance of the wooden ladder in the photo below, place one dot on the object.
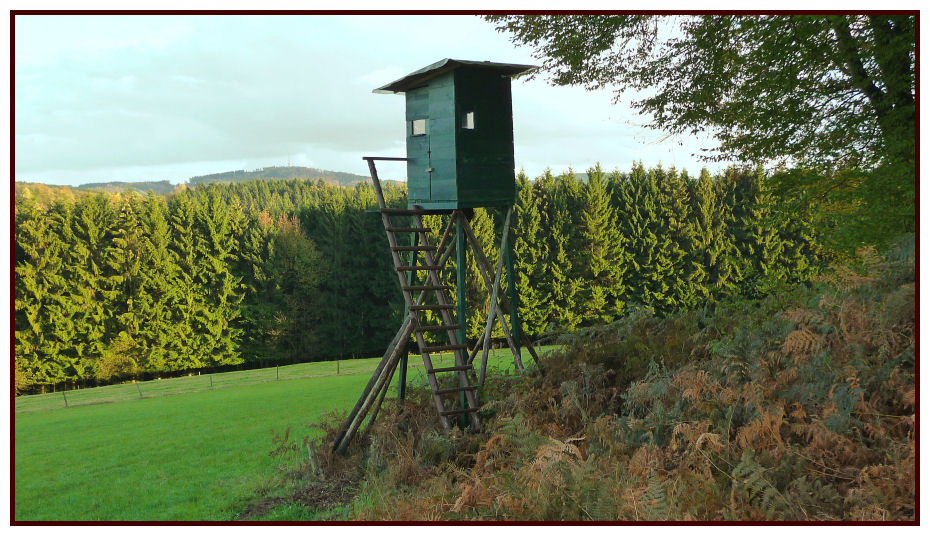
(431, 285)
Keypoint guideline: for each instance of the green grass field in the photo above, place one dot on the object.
(197, 455)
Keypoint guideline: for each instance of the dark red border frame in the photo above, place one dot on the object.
(15, 12)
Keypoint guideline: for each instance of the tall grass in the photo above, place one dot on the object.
(799, 406)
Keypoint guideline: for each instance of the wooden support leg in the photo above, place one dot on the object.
(483, 263)
(489, 326)
(377, 405)
(461, 311)
(484, 267)
(371, 383)
(377, 384)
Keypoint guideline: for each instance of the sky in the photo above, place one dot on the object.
(141, 98)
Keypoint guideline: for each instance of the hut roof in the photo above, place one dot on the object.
(419, 77)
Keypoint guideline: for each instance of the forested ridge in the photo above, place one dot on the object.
(112, 286)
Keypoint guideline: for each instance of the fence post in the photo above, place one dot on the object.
(277, 373)
(211, 381)
(139, 389)
(337, 367)
(65, 397)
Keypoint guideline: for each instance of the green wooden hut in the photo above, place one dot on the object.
(459, 125)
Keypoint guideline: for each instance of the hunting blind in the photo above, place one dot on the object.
(459, 130)
(459, 126)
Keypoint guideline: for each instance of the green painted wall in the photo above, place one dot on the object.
(470, 167)
(485, 173)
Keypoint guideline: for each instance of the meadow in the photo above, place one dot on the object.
(183, 451)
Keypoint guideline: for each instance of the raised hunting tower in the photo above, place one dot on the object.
(459, 125)
(459, 130)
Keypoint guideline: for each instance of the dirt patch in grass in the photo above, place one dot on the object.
(316, 496)
(326, 495)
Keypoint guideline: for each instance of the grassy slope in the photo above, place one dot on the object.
(190, 384)
(197, 456)
(798, 406)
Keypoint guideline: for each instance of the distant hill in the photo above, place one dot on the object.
(159, 187)
(45, 194)
(281, 172)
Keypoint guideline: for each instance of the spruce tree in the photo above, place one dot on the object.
(530, 254)
(715, 252)
(603, 261)
(42, 306)
(158, 274)
(561, 274)
(220, 289)
(641, 225)
(187, 348)
(680, 238)
(87, 231)
(125, 352)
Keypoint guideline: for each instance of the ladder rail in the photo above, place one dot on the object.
(392, 241)
(435, 259)
(453, 336)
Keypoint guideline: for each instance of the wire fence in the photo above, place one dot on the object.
(500, 362)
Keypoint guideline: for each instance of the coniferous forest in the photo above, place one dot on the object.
(117, 286)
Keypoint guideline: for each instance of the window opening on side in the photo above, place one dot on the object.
(418, 127)
(468, 120)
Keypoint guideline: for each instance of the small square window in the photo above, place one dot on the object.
(468, 120)
(418, 127)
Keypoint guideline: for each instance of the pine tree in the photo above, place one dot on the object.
(680, 238)
(757, 239)
(561, 273)
(87, 231)
(159, 271)
(715, 253)
(187, 349)
(124, 353)
(220, 289)
(530, 253)
(40, 296)
(603, 261)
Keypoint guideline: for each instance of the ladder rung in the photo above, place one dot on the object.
(413, 248)
(429, 287)
(407, 229)
(438, 328)
(458, 411)
(445, 347)
(418, 268)
(456, 390)
(449, 369)
(430, 307)
(402, 211)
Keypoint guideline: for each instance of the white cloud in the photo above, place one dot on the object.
(132, 94)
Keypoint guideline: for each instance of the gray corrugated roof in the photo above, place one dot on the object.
(418, 77)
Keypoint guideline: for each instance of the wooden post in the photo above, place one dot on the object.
(342, 440)
(402, 376)
(461, 311)
(484, 268)
(65, 397)
(489, 326)
(512, 287)
(277, 372)
(373, 389)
